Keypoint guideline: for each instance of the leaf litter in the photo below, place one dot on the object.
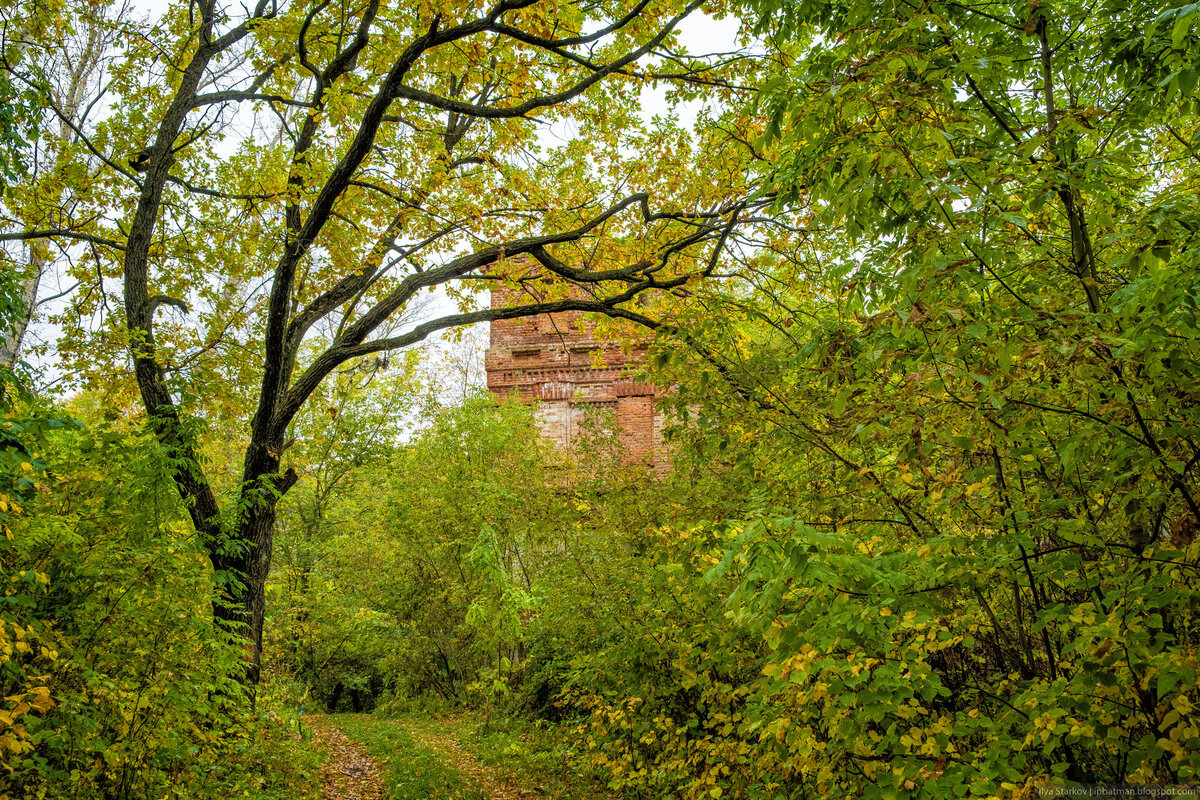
(349, 773)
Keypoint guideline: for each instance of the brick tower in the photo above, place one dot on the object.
(557, 361)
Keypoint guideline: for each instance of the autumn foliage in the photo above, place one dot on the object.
(921, 281)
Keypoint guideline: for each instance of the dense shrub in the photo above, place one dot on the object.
(118, 681)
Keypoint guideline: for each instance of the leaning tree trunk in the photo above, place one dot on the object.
(237, 555)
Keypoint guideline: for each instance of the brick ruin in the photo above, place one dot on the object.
(557, 361)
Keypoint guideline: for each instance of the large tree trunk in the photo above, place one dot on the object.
(246, 557)
(242, 606)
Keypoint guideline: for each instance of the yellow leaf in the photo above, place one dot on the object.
(41, 698)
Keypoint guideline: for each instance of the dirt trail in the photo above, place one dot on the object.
(350, 774)
(447, 748)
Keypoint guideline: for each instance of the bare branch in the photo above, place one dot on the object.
(60, 233)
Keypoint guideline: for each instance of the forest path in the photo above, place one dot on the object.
(491, 782)
(421, 757)
(349, 774)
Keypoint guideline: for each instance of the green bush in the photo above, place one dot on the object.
(130, 688)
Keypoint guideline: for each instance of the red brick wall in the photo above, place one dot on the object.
(558, 361)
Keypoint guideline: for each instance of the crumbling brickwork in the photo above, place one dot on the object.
(557, 361)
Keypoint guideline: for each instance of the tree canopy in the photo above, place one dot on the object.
(289, 181)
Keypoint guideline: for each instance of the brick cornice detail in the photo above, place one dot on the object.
(633, 389)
